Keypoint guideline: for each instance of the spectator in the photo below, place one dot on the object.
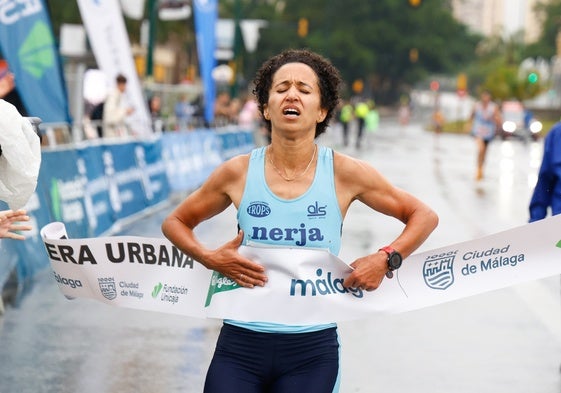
(235, 109)
(184, 112)
(345, 118)
(199, 119)
(8, 92)
(155, 109)
(249, 114)
(222, 110)
(372, 121)
(96, 117)
(361, 111)
(116, 110)
(20, 157)
(7, 84)
(546, 198)
(9, 218)
(547, 193)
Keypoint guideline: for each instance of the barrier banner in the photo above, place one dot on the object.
(27, 257)
(305, 285)
(31, 252)
(9, 260)
(190, 157)
(28, 45)
(180, 161)
(210, 147)
(126, 180)
(97, 201)
(148, 155)
(236, 142)
(63, 187)
(85, 189)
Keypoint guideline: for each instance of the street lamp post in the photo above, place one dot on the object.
(152, 17)
(238, 48)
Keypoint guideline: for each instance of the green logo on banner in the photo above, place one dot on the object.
(36, 54)
(156, 290)
(55, 200)
(219, 283)
(558, 244)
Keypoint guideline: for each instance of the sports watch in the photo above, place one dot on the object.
(394, 260)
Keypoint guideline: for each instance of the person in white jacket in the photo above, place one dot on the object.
(20, 157)
(20, 160)
(116, 110)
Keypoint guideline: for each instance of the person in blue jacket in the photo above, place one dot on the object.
(546, 198)
(547, 193)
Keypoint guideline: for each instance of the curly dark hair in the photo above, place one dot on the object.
(329, 80)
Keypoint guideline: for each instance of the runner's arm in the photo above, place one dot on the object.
(212, 198)
(371, 188)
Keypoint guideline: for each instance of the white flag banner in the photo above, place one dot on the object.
(133, 9)
(111, 46)
(305, 286)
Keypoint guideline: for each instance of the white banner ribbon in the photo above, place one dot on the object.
(305, 285)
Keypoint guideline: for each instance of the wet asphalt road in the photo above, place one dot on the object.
(503, 341)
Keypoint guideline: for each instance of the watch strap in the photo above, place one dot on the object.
(388, 250)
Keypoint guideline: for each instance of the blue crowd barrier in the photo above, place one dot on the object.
(190, 157)
(95, 186)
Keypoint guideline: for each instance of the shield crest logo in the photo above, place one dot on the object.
(107, 287)
(438, 272)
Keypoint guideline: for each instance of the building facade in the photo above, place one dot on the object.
(502, 17)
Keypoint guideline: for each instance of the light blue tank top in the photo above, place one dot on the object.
(484, 122)
(311, 220)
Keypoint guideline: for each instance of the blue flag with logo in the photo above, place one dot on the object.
(205, 14)
(28, 45)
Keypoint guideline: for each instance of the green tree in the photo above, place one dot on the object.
(497, 69)
(549, 15)
(63, 11)
(372, 40)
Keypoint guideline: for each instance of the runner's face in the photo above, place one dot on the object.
(294, 99)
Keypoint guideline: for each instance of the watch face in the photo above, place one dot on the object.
(394, 261)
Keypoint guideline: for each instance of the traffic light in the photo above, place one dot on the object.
(415, 3)
(461, 84)
(303, 27)
(533, 77)
(461, 81)
(413, 55)
(358, 86)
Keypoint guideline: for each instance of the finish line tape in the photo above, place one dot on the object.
(305, 286)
